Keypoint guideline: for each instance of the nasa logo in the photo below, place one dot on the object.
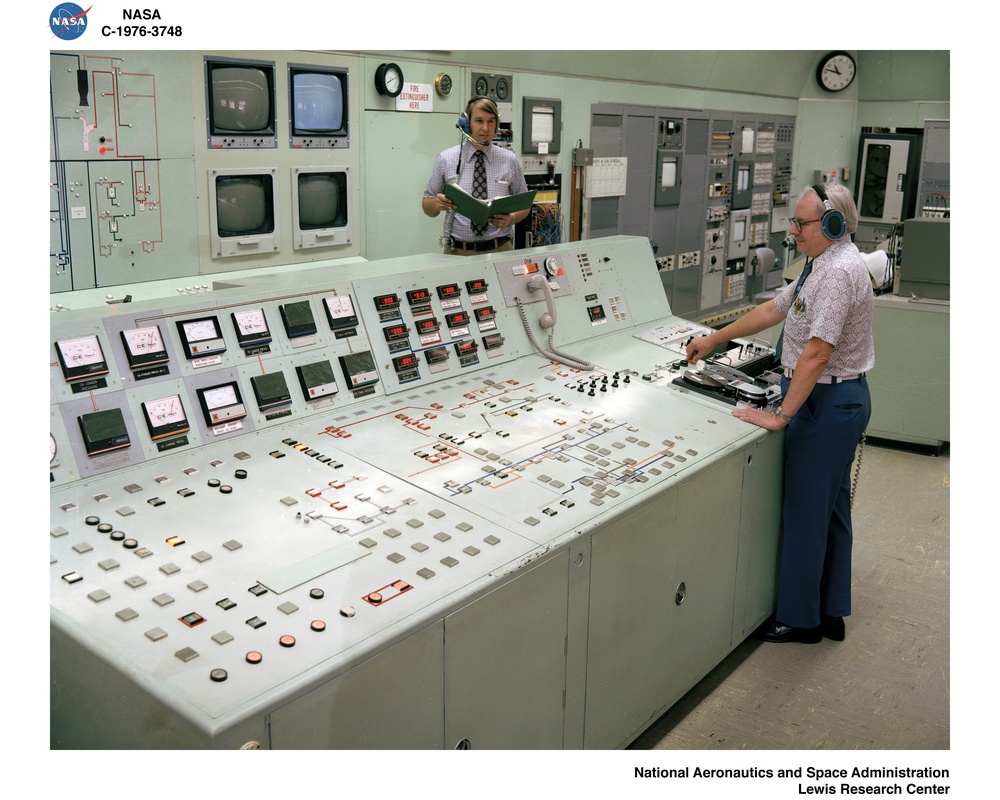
(68, 21)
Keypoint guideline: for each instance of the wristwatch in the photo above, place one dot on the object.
(779, 411)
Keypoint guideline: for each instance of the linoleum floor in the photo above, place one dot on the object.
(886, 686)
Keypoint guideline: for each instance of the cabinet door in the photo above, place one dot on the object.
(663, 581)
(392, 701)
(506, 663)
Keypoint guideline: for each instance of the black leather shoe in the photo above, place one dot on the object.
(785, 633)
(833, 628)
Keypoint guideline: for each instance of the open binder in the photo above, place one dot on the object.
(479, 211)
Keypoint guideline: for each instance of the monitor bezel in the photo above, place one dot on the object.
(333, 236)
(262, 138)
(250, 244)
(301, 140)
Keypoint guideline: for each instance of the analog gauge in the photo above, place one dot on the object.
(201, 337)
(82, 351)
(220, 396)
(251, 327)
(250, 323)
(165, 417)
(81, 357)
(221, 404)
(143, 340)
(144, 346)
(52, 448)
(199, 330)
(389, 80)
(443, 84)
(503, 89)
(165, 410)
(482, 85)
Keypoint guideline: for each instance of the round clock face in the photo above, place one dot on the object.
(836, 71)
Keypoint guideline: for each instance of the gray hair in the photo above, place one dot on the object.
(841, 199)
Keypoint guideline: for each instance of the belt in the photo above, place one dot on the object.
(827, 378)
(480, 247)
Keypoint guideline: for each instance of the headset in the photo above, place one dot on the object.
(463, 119)
(832, 222)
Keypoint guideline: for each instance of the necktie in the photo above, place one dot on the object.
(798, 288)
(479, 187)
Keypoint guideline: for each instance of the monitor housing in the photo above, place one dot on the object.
(320, 208)
(240, 103)
(318, 114)
(243, 212)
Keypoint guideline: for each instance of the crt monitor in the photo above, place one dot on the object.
(239, 99)
(318, 106)
(243, 211)
(321, 207)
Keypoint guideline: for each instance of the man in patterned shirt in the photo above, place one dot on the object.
(457, 164)
(827, 347)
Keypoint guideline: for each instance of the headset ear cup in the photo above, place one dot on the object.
(463, 124)
(833, 224)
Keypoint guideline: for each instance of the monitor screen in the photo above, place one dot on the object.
(322, 200)
(320, 206)
(244, 205)
(319, 111)
(240, 103)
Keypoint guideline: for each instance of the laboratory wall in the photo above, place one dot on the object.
(133, 165)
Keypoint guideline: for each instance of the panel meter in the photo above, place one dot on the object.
(222, 403)
(144, 347)
(81, 357)
(251, 327)
(165, 417)
(201, 337)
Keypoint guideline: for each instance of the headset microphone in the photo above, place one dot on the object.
(788, 241)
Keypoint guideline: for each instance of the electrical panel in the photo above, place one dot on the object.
(281, 512)
(720, 188)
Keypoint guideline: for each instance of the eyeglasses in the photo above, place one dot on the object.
(801, 223)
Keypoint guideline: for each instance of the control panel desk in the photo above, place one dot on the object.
(393, 505)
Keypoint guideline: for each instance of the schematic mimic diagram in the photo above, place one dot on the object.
(109, 176)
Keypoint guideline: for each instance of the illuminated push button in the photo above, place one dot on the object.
(253, 657)
(286, 641)
(240, 474)
(214, 483)
(130, 544)
(347, 611)
(104, 527)
(218, 675)
(316, 594)
(92, 521)
(225, 489)
(317, 625)
(374, 598)
(117, 536)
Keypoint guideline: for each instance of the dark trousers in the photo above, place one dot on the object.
(820, 444)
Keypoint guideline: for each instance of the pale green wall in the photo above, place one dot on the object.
(893, 89)
(392, 152)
